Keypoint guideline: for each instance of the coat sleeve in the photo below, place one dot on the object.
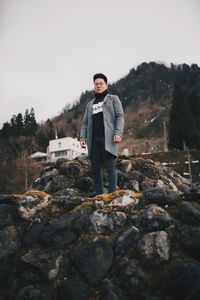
(84, 125)
(119, 116)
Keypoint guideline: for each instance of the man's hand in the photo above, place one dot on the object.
(83, 143)
(117, 139)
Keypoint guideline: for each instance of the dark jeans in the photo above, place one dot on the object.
(102, 158)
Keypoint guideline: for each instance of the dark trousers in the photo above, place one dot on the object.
(102, 158)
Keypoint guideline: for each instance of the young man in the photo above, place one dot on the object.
(102, 130)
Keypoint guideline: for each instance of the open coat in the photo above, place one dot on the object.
(113, 117)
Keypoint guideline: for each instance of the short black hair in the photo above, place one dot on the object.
(100, 75)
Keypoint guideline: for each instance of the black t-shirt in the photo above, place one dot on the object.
(97, 115)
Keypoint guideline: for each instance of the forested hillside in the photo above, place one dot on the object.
(158, 100)
(146, 94)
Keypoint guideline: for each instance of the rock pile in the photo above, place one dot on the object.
(140, 242)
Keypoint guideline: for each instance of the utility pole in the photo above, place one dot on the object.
(189, 163)
(165, 137)
(56, 133)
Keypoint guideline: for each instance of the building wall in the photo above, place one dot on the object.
(64, 148)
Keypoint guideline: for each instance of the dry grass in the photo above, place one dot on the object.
(38, 193)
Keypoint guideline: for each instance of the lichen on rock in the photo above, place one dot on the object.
(139, 242)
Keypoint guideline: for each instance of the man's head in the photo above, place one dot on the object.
(100, 83)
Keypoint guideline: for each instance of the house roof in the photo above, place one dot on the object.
(38, 154)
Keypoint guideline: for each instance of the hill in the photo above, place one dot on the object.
(146, 96)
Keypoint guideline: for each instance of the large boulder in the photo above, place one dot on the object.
(60, 241)
(94, 260)
(154, 247)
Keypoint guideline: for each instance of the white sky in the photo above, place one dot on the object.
(50, 49)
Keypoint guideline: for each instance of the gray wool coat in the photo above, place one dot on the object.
(113, 117)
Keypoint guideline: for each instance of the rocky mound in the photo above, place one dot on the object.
(140, 242)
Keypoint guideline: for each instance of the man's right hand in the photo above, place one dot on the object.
(83, 143)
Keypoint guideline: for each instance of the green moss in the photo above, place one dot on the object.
(85, 204)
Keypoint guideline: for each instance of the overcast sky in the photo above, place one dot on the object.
(50, 49)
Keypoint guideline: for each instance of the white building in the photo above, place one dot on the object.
(64, 148)
(39, 156)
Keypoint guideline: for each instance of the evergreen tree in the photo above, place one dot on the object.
(42, 140)
(182, 126)
(51, 131)
(26, 122)
(13, 123)
(33, 123)
(19, 124)
(6, 130)
(30, 124)
(194, 102)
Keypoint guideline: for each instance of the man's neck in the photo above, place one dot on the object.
(101, 95)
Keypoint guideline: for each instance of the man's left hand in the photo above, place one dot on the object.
(117, 139)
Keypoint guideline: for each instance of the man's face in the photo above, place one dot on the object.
(99, 85)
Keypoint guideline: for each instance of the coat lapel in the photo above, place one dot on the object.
(106, 98)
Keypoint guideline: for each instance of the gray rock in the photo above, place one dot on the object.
(30, 277)
(83, 160)
(47, 176)
(155, 218)
(106, 223)
(146, 185)
(127, 200)
(108, 290)
(68, 202)
(34, 230)
(60, 231)
(133, 280)
(183, 188)
(127, 240)
(71, 169)
(121, 179)
(194, 193)
(190, 240)
(7, 199)
(46, 188)
(48, 168)
(7, 269)
(85, 184)
(60, 182)
(30, 203)
(136, 220)
(151, 171)
(154, 247)
(135, 175)
(139, 163)
(94, 260)
(124, 166)
(9, 242)
(133, 185)
(6, 215)
(57, 236)
(74, 290)
(60, 161)
(99, 204)
(46, 261)
(32, 292)
(166, 183)
(37, 184)
(66, 192)
(182, 280)
(161, 196)
(189, 214)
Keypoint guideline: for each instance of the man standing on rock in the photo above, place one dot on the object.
(102, 130)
